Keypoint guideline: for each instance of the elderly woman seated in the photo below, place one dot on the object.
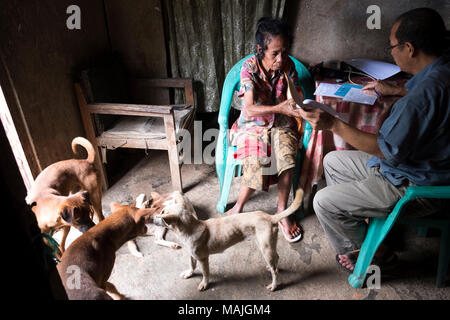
(266, 133)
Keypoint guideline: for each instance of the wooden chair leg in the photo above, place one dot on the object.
(174, 162)
(86, 117)
(102, 169)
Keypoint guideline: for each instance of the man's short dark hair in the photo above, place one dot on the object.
(267, 27)
(425, 29)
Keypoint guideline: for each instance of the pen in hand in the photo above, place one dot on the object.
(377, 93)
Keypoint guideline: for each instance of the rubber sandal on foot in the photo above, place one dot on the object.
(286, 236)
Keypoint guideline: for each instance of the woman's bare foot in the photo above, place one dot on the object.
(235, 210)
(244, 194)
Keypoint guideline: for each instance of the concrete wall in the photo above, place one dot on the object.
(336, 29)
(43, 57)
(137, 33)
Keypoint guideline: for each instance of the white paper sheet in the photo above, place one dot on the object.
(327, 90)
(378, 69)
(356, 95)
(308, 103)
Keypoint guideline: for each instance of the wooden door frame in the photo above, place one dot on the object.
(16, 128)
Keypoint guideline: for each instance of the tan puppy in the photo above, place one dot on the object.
(157, 203)
(63, 193)
(91, 256)
(215, 235)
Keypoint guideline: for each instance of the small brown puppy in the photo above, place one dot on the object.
(207, 237)
(63, 193)
(87, 263)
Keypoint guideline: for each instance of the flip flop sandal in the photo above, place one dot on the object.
(286, 236)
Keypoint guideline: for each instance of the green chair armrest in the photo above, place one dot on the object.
(428, 192)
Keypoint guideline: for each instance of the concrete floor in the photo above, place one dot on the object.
(308, 270)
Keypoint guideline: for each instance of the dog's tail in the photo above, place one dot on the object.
(298, 199)
(87, 145)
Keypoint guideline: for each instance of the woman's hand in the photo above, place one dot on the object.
(289, 108)
(384, 89)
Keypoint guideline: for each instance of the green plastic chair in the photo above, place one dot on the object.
(226, 166)
(379, 228)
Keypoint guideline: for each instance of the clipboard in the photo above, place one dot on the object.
(292, 93)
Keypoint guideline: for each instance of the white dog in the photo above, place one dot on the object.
(205, 237)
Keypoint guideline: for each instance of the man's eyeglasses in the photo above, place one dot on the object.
(389, 49)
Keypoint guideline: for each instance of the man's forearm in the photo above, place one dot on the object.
(360, 140)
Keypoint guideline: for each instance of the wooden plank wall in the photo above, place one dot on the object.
(43, 57)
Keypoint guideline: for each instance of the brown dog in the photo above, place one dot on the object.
(63, 193)
(87, 263)
(206, 237)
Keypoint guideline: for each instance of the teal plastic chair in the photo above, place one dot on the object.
(379, 228)
(226, 166)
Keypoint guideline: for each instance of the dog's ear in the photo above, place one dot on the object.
(67, 214)
(85, 195)
(155, 196)
(33, 206)
(140, 201)
(147, 214)
(114, 206)
(169, 219)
